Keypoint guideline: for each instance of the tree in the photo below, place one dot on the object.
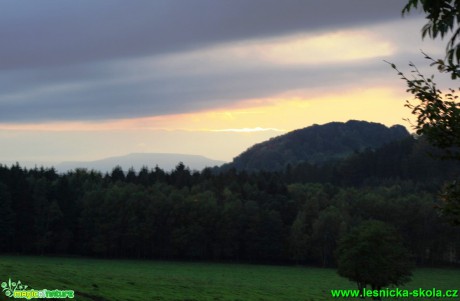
(41, 205)
(299, 239)
(327, 230)
(7, 219)
(373, 254)
(131, 176)
(117, 174)
(438, 113)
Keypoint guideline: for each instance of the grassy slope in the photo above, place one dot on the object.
(153, 280)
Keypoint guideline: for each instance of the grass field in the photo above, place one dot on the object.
(126, 280)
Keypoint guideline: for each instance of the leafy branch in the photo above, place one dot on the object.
(443, 18)
(438, 114)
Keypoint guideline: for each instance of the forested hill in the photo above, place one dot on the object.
(297, 215)
(316, 144)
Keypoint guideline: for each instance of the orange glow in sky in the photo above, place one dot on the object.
(278, 114)
(218, 134)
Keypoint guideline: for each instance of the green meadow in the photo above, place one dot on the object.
(99, 280)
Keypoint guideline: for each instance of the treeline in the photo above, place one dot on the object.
(231, 216)
(408, 159)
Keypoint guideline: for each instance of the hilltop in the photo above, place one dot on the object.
(317, 144)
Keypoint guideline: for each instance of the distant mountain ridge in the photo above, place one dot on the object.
(164, 161)
(317, 144)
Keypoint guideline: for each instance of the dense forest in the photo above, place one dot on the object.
(296, 215)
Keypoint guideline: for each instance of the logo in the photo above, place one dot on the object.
(19, 290)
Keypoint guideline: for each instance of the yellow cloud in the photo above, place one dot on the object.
(340, 46)
(299, 49)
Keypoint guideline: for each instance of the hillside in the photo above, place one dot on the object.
(317, 144)
(409, 159)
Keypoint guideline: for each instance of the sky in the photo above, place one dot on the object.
(84, 80)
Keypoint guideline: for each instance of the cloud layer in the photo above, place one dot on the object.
(86, 60)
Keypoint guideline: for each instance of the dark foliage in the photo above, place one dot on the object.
(373, 254)
(438, 113)
(296, 215)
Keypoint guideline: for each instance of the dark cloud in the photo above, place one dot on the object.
(108, 99)
(77, 60)
(44, 33)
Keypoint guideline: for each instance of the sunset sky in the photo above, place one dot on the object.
(84, 80)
